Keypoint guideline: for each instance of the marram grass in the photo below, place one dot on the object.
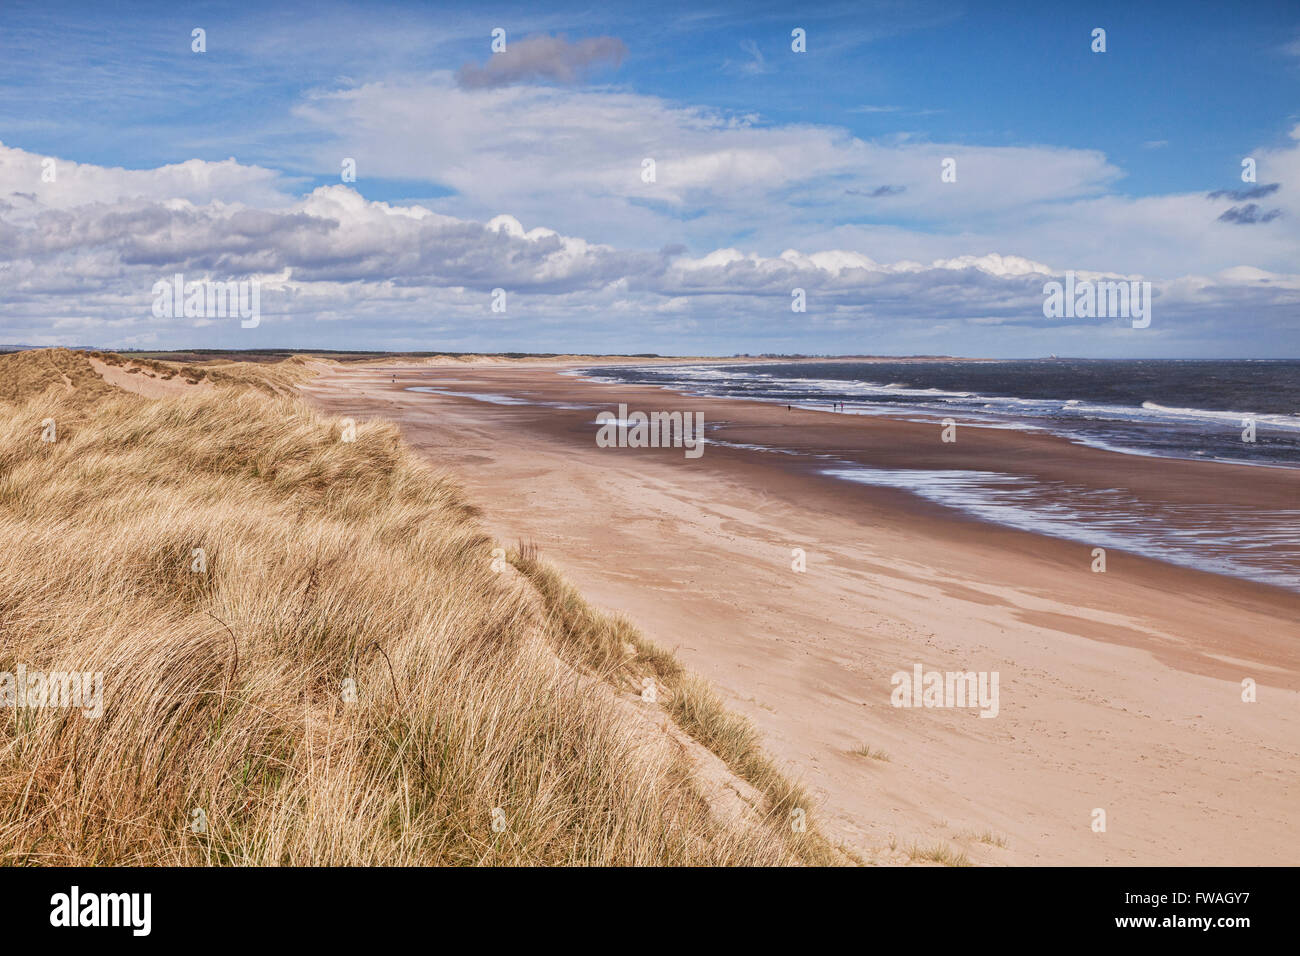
(308, 659)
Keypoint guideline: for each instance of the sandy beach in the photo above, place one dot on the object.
(1119, 691)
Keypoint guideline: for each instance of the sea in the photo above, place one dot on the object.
(1193, 409)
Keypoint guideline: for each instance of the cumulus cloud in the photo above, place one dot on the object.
(550, 58)
(30, 180)
(77, 269)
(574, 159)
(332, 234)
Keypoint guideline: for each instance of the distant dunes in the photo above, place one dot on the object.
(27, 374)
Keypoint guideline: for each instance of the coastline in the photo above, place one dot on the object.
(1042, 419)
(1119, 690)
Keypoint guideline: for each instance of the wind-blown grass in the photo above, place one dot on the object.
(324, 562)
(614, 648)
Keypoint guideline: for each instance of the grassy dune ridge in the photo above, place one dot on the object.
(324, 561)
(613, 646)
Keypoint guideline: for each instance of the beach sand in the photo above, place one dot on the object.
(1119, 691)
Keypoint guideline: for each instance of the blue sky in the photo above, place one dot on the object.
(775, 170)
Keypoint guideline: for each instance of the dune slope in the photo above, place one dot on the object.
(310, 654)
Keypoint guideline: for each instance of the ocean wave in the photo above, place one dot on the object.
(1142, 426)
(1258, 545)
(1278, 421)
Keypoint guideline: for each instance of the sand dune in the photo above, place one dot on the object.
(301, 636)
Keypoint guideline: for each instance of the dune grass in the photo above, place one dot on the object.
(988, 836)
(24, 374)
(613, 647)
(940, 853)
(871, 753)
(308, 658)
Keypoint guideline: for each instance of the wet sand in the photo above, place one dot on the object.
(1119, 691)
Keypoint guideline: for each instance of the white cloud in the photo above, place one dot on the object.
(577, 156)
(574, 159)
(27, 183)
(78, 261)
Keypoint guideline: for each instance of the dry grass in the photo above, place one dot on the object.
(940, 853)
(612, 647)
(326, 561)
(272, 378)
(871, 753)
(989, 837)
(52, 371)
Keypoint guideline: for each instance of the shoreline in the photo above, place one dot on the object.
(1025, 423)
(1246, 509)
(1120, 689)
